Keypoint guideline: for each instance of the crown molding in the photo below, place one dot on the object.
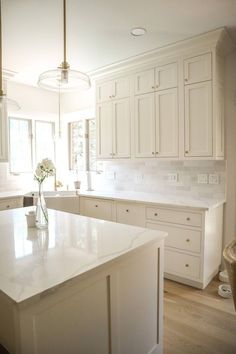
(218, 39)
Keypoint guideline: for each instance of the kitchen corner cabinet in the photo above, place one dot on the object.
(113, 129)
(3, 135)
(11, 203)
(193, 247)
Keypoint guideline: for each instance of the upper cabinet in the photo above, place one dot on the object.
(110, 90)
(168, 104)
(3, 135)
(197, 69)
(159, 78)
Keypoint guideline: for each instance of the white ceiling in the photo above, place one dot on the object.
(98, 30)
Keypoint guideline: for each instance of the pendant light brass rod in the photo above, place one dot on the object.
(64, 24)
(1, 90)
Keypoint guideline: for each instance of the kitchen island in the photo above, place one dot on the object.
(82, 286)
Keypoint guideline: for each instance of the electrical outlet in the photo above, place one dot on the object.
(214, 179)
(138, 178)
(172, 177)
(202, 179)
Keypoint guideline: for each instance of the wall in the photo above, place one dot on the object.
(152, 176)
(230, 121)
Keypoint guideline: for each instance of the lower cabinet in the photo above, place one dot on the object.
(130, 213)
(193, 247)
(11, 203)
(97, 208)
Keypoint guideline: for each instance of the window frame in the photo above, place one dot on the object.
(35, 140)
(86, 143)
(30, 125)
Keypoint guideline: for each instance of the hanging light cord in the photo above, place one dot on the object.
(1, 90)
(59, 113)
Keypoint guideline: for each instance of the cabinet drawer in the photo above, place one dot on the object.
(182, 264)
(174, 216)
(97, 208)
(132, 214)
(11, 203)
(184, 239)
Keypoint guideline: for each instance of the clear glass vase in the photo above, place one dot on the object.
(41, 211)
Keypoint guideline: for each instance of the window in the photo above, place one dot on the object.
(44, 140)
(20, 145)
(83, 145)
(27, 149)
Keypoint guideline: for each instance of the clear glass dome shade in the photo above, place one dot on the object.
(9, 104)
(65, 80)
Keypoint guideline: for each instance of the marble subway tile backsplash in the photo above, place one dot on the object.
(154, 177)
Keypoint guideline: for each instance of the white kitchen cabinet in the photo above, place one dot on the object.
(145, 125)
(193, 247)
(96, 208)
(167, 123)
(113, 129)
(156, 124)
(11, 203)
(197, 69)
(130, 213)
(3, 134)
(113, 89)
(198, 120)
(161, 77)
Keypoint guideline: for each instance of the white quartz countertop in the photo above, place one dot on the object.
(33, 261)
(167, 200)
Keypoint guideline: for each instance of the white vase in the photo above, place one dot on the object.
(41, 221)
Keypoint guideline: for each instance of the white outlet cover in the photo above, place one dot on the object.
(172, 177)
(110, 175)
(202, 178)
(139, 178)
(213, 179)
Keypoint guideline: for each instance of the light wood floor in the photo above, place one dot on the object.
(198, 321)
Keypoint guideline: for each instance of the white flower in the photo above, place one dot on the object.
(44, 169)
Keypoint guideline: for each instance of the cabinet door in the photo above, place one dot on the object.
(145, 125)
(121, 128)
(144, 82)
(198, 119)
(167, 129)
(104, 130)
(197, 69)
(97, 208)
(131, 214)
(104, 92)
(166, 76)
(3, 134)
(121, 88)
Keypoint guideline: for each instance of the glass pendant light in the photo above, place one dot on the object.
(4, 101)
(63, 77)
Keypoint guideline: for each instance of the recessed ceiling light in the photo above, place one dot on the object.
(138, 31)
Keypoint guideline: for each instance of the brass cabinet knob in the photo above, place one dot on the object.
(157, 86)
(153, 87)
(187, 240)
(127, 210)
(153, 153)
(96, 206)
(157, 152)
(155, 214)
(186, 152)
(186, 79)
(188, 219)
(186, 265)
(8, 206)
